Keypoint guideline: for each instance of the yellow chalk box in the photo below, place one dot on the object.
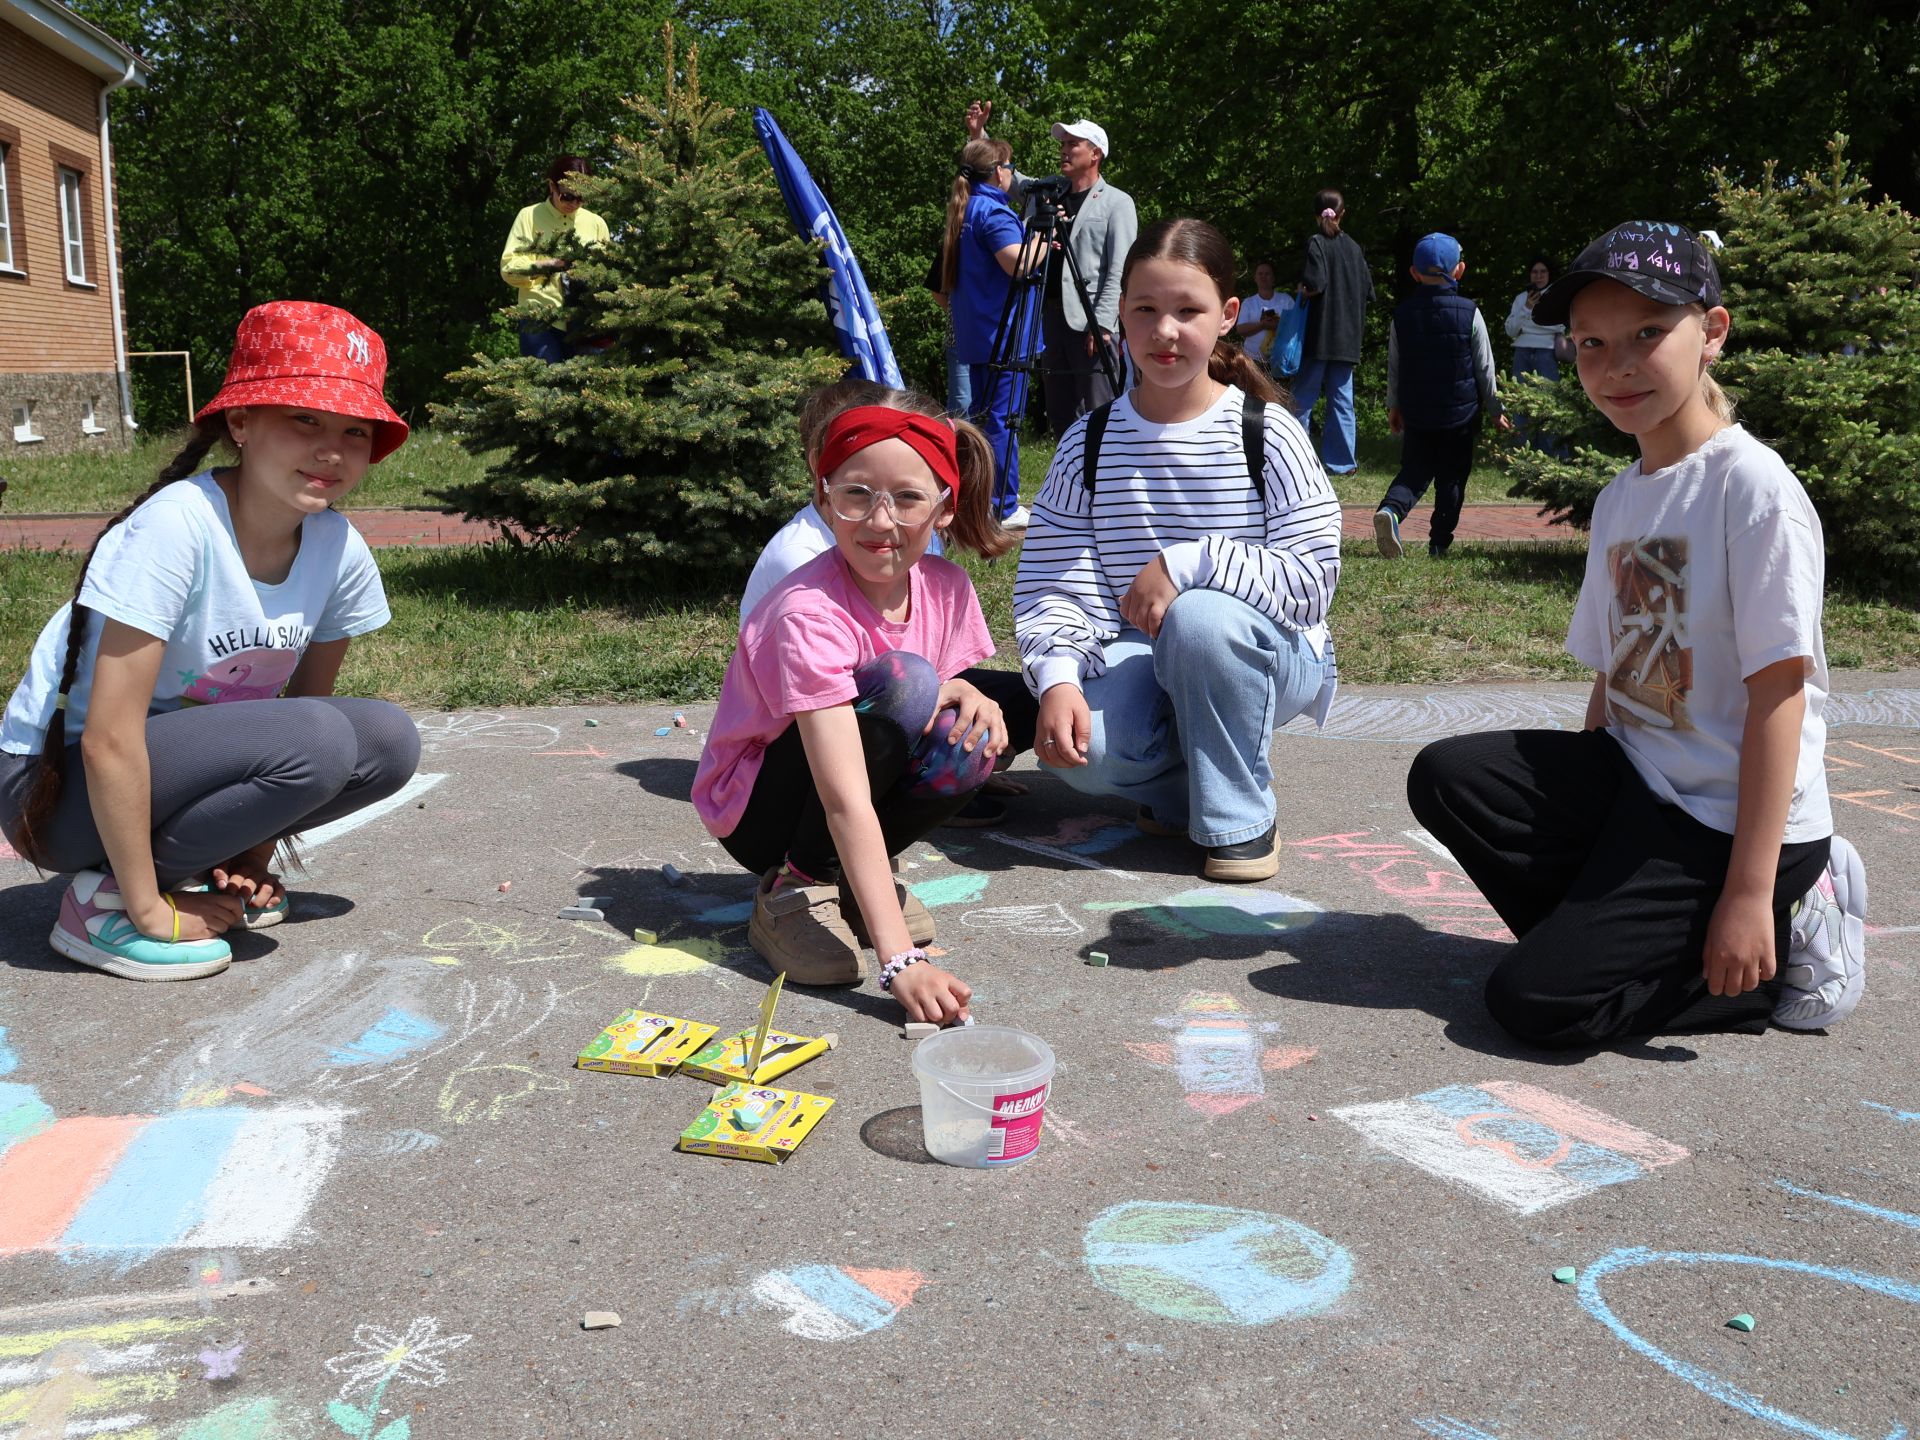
(642, 1043)
(749, 1123)
(724, 1062)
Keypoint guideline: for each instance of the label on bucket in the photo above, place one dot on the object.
(1016, 1125)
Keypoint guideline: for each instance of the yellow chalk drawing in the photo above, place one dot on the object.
(460, 1097)
(63, 1391)
(683, 957)
(442, 960)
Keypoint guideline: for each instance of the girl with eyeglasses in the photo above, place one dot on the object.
(844, 732)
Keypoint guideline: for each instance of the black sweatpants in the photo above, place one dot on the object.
(1442, 459)
(1609, 890)
(917, 781)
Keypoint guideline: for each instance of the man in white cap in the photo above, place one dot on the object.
(1102, 230)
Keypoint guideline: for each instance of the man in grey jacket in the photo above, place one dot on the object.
(1102, 228)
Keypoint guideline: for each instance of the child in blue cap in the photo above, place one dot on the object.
(1440, 381)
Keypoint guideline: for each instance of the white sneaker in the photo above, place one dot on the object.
(1826, 969)
(1017, 520)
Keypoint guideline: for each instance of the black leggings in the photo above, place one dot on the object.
(917, 781)
(1609, 890)
(226, 778)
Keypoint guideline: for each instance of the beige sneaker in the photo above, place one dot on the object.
(919, 919)
(800, 932)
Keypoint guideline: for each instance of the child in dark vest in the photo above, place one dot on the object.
(1440, 381)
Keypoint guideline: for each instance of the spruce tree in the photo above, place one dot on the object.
(1823, 363)
(668, 446)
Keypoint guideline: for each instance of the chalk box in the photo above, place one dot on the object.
(755, 1124)
(642, 1043)
(724, 1062)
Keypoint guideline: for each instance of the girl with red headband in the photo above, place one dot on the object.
(123, 760)
(844, 732)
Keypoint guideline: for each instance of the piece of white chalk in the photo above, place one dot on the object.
(919, 1030)
(599, 1320)
(673, 874)
(583, 912)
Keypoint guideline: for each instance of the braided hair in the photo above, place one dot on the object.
(50, 775)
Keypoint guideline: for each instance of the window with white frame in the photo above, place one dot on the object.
(23, 430)
(6, 212)
(72, 237)
(90, 417)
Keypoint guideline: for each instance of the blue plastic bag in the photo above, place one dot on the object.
(1290, 340)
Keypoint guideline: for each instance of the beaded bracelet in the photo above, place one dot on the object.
(890, 971)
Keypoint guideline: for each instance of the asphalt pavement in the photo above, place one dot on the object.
(1291, 1179)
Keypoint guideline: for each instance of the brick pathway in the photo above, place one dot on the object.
(432, 527)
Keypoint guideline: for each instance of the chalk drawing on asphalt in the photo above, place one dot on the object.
(1218, 910)
(1515, 1144)
(414, 1356)
(442, 733)
(836, 1302)
(407, 794)
(1212, 1265)
(1028, 920)
(1217, 1053)
(103, 1378)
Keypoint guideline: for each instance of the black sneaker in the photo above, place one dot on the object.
(1257, 859)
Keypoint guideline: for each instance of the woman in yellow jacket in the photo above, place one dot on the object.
(526, 264)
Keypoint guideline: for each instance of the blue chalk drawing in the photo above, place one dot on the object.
(388, 1038)
(1705, 1381)
(8, 1061)
(23, 1114)
(1107, 837)
(1905, 1117)
(1898, 1217)
(962, 889)
(737, 914)
(1445, 1427)
(1213, 1265)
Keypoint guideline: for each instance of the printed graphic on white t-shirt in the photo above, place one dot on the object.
(1651, 672)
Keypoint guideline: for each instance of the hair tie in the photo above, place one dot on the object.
(852, 431)
(1328, 214)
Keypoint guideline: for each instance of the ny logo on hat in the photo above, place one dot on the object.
(358, 350)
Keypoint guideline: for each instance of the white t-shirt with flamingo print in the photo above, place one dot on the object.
(173, 570)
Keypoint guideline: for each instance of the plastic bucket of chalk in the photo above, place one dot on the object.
(983, 1094)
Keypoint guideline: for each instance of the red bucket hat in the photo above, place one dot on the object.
(299, 352)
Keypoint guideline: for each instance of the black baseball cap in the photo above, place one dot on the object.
(1664, 262)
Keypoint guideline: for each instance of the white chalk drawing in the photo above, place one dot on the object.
(1434, 716)
(413, 1357)
(407, 794)
(442, 733)
(1024, 920)
(1516, 1144)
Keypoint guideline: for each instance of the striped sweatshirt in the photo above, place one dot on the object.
(1180, 491)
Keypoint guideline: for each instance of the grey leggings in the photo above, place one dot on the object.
(229, 777)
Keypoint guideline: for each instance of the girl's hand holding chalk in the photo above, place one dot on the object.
(1064, 729)
(202, 915)
(933, 995)
(979, 720)
(248, 877)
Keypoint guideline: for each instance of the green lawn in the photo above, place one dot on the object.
(478, 626)
(107, 479)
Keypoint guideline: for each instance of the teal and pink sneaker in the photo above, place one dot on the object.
(1826, 970)
(95, 929)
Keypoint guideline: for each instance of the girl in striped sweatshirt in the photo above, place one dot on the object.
(1172, 597)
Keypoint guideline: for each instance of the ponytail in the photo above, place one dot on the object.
(50, 775)
(1230, 365)
(974, 526)
(1718, 400)
(976, 164)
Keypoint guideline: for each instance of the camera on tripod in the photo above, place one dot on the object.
(1048, 192)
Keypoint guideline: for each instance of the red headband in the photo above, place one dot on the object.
(854, 430)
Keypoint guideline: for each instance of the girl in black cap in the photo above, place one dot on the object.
(1672, 866)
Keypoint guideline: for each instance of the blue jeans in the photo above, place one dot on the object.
(1533, 360)
(1184, 724)
(1337, 435)
(999, 399)
(959, 384)
(542, 342)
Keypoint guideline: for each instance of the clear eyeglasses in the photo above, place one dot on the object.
(910, 508)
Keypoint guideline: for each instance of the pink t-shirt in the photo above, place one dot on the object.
(798, 651)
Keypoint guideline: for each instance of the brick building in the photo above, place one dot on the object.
(63, 348)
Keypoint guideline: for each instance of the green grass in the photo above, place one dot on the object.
(480, 626)
(106, 480)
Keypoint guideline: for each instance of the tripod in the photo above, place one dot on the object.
(1017, 337)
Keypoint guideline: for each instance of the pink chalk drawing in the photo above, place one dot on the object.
(1420, 883)
(1217, 1053)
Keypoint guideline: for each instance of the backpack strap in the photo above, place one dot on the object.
(1253, 440)
(1090, 448)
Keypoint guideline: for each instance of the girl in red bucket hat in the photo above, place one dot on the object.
(177, 719)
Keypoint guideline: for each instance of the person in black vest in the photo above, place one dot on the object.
(1440, 380)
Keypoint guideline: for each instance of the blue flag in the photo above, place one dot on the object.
(856, 319)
